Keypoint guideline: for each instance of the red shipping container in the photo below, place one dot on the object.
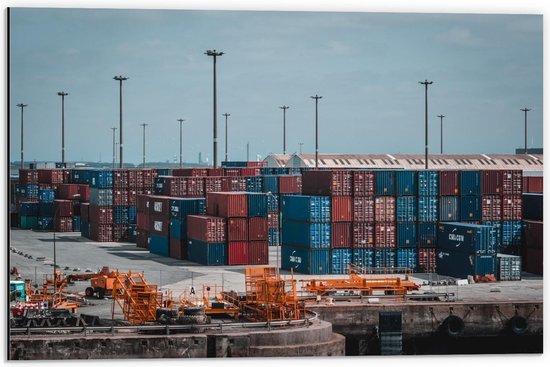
(533, 234)
(237, 229)
(101, 214)
(101, 232)
(195, 186)
(120, 232)
(142, 220)
(384, 235)
(63, 224)
(84, 192)
(120, 178)
(273, 220)
(231, 172)
(449, 183)
(135, 178)
(142, 203)
(160, 206)
(28, 176)
(174, 186)
(258, 253)
(190, 172)
(206, 228)
(227, 204)
(237, 253)
(216, 172)
(212, 184)
(51, 176)
(249, 171)
(233, 184)
(132, 197)
(341, 235)
(63, 208)
(363, 235)
(85, 212)
(256, 164)
(149, 178)
(363, 209)
(290, 184)
(384, 209)
(512, 182)
(120, 197)
(142, 238)
(175, 248)
(342, 209)
(67, 191)
(491, 207)
(257, 229)
(491, 182)
(532, 260)
(426, 260)
(511, 207)
(66, 175)
(333, 183)
(363, 183)
(533, 184)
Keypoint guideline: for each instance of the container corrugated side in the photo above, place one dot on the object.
(428, 208)
(271, 184)
(341, 259)
(333, 182)
(257, 229)
(363, 257)
(426, 260)
(290, 184)
(258, 253)
(384, 209)
(363, 183)
(407, 209)
(341, 235)
(491, 182)
(406, 235)
(533, 234)
(467, 238)
(305, 261)
(237, 253)
(533, 184)
(384, 235)
(305, 234)
(237, 229)
(470, 183)
(407, 258)
(363, 234)
(449, 208)
(363, 209)
(159, 245)
(491, 207)
(227, 204)
(306, 208)
(470, 208)
(207, 253)
(512, 182)
(428, 183)
(384, 182)
(384, 258)
(508, 267)
(460, 265)
(427, 234)
(406, 183)
(511, 233)
(512, 207)
(497, 226)
(532, 207)
(206, 228)
(182, 207)
(449, 183)
(342, 209)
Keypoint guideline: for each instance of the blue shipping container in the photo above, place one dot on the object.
(306, 234)
(470, 183)
(85, 229)
(76, 223)
(306, 208)
(511, 233)
(29, 191)
(384, 183)
(101, 179)
(406, 235)
(467, 238)
(407, 209)
(257, 205)
(460, 265)
(132, 215)
(427, 234)
(46, 195)
(180, 208)
(341, 258)
(384, 258)
(305, 261)
(45, 209)
(406, 182)
(273, 236)
(207, 253)
(407, 258)
(428, 183)
(28, 209)
(176, 229)
(273, 203)
(428, 208)
(120, 215)
(497, 226)
(101, 197)
(271, 184)
(363, 257)
(470, 208)
(159, 245)
(254, 184)
(448, 209)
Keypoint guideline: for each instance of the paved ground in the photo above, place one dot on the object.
(76, 252)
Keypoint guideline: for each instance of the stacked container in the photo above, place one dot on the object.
(207, 240)
(101, 205)
(363, 218)
(429, 192)
(407, 216)
(180, 209)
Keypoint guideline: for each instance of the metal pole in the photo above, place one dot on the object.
(226, 116)
(144, 143)
(247, 151)
(284, 108)
(181, 161)
(525, 110)
(441, 117)
(215, 54)
(114, 150)
(316, 98)
(121, 78)
(62, 94)
(426, 83)
(300, 144)
(22, 106)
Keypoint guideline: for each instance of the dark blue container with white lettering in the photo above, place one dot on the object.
(460, 264)
(304, 260)
(159, 245)
(467, 238)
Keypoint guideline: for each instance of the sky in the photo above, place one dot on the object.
(366, 66)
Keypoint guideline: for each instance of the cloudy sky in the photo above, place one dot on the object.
(367, 66)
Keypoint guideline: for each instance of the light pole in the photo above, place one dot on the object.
(316, 98)
(22, 106)
(426, 83)
(120, 79)
(284, 108)
(226, 116)
(181, 122)
(144, 143)
(300, 144)
(525, 110)
(215, 54)
(114, 151)
(441, 117)
(62, 94)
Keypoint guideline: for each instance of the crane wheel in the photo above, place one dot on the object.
(89, 292)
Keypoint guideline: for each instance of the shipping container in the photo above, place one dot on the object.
(491, 182)
(363, 183)
(29, 209)
(329, 183)
(85, 212)
(249, 171)
(272, 203)
(274, 237)
(101, 179)
(428, 183)
(101, 197)
(257, 205)
(227, 204)
(159, 226)
(306, 234)
(305, 260)
(406, 183)
(51, 176)
(384, 235)
(206, 228)
(142, 221)
(176, 230)
(132, 233)
(533, 184)
(407, 209)
(290, 184)
(120, 197)
(84, 193)
(491, 207)
(532, 260)
(363, 234)
(257, 229)
(254, 183)
(470, 208)
(143, 202)
(508, 267)
(533, 234)
(384, 258)
(120, 232)
(341, 259)
(406, 235)
(120, 215)
(180, 208)
(273, 220)
(342, 208)
(63, 224)
(460, 264)
(363, 257)
(449, 183)
(426, 260)
(407, 258)
(384, 209)
(63, 208)
(46, 195)
(237, 229)
(120, 178)
(449, 209)
(237, 253)
(512, 182)
(28, 222)
(511, 233)
(160, 206)
(363, 209)
(28, 176)
(176, 248)
(142, 238)
(306, 208)
(466, 238)
(512, 207)
(258, 253)
(470, 183)
(189, 171)
(132, 215)
(100, 214)
(341, 234)
(159, 245)
(497, 226)
(212, 184)
(532, 207)
(384, 182)
(233, 184)
(271, 184)
(428, 209)
(45, 223)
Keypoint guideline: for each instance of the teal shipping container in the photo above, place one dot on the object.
(428, 183)
(406, 182)
(305, 261)
(449, 209)
(384, 183)
(406, 234)
(470, 183)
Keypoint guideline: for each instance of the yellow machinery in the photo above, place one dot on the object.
(212, 299)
